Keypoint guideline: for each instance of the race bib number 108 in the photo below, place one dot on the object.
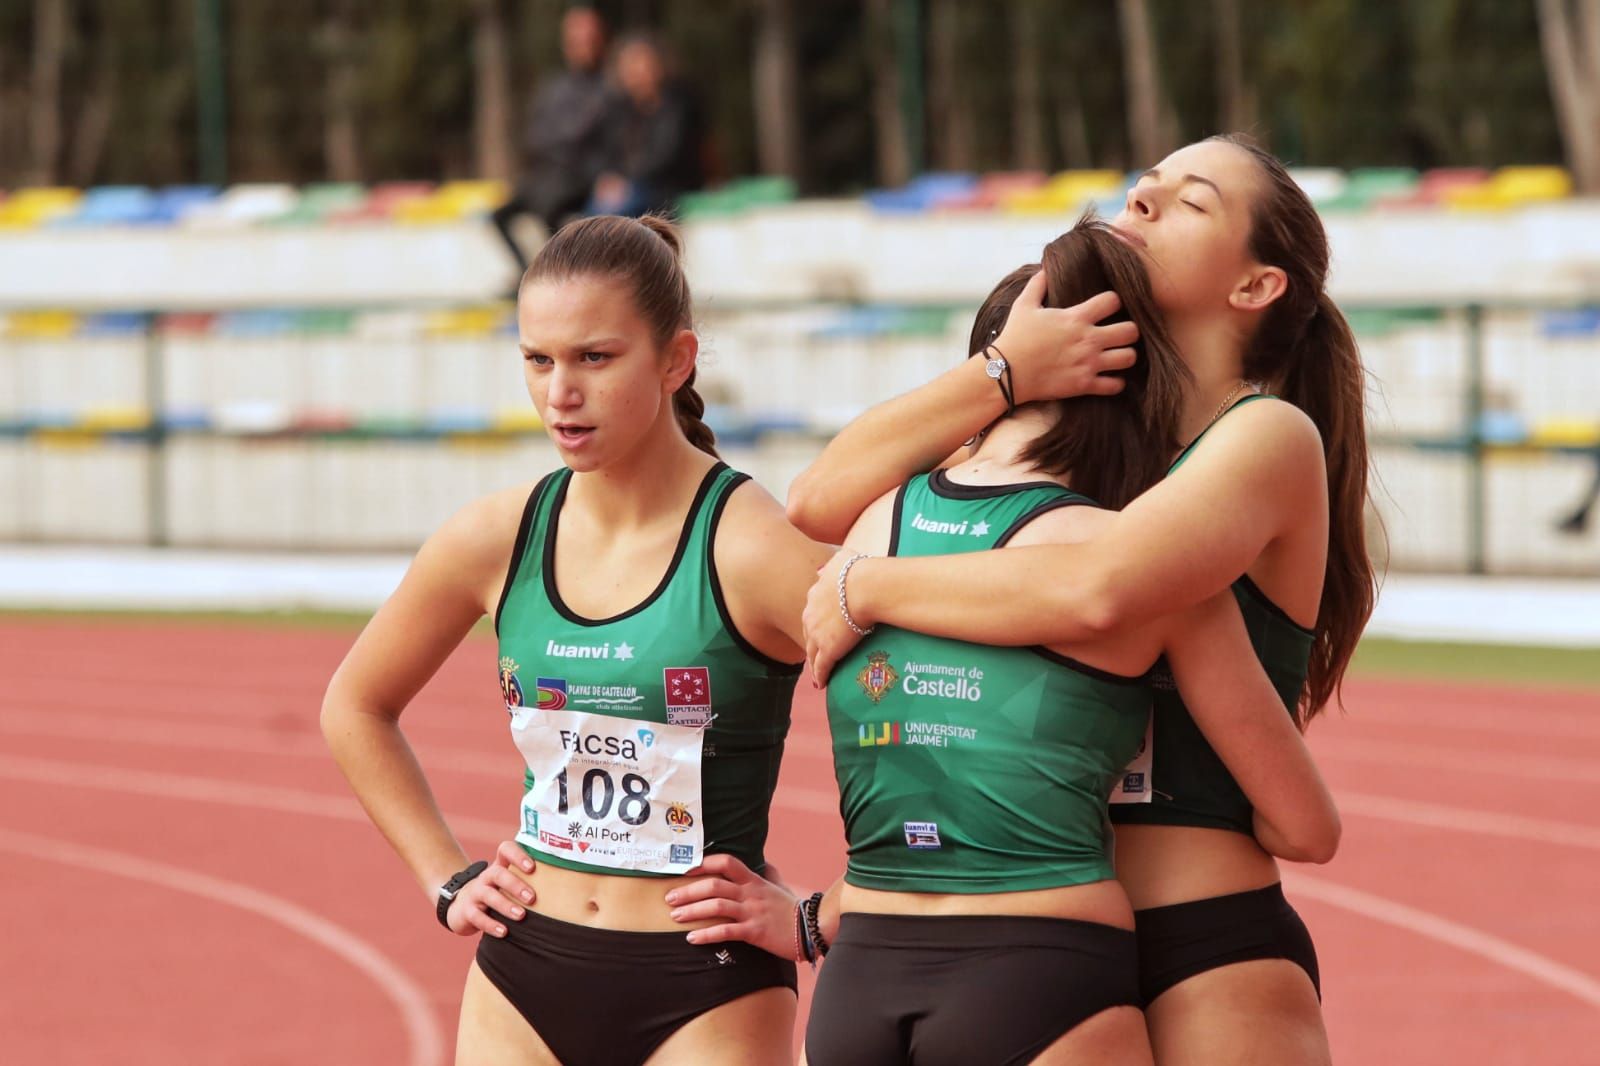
(615, 793)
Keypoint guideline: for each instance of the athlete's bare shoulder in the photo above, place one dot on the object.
(755, 536)
(473, 546)
(1265, 450)
(1278, 428)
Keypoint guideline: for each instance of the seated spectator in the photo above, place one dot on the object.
(565, 140)
(653, 137)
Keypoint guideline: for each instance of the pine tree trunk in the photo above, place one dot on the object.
(1237, 104)
(1572, 64)
(93, 126)
(1027, 105)
(951, 109)
(44, 91)
(1149, 121)
(491, 111)
(775, 71)
(889, 122)
(341, 145)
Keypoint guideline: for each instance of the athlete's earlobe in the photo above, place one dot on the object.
(1259, 289)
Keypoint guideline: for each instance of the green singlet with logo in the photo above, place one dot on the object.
(965, 768)
(1178, 778)
(652, 738)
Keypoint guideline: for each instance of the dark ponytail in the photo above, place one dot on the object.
(1305, 351)
(647, 253)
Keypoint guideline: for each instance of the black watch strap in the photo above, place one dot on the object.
(448, 890)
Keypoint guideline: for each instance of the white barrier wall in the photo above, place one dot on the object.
(781, 369)
(806, 251)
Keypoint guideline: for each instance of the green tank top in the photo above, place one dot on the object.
(1179, 779)
(674, 660)
(965, 768)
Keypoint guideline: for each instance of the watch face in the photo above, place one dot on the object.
(994, 367)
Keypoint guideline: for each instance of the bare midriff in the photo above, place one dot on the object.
(1099, 901)
(606, 901)
(1160, 865)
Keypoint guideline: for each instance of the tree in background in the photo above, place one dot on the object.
(338, 45)
(492, 107)
(777, 88)
(1152, 128)
(1570, 33)
(44, 90)
(839, 94)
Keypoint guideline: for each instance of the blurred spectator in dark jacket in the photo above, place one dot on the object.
(566, 140)
(653, 136)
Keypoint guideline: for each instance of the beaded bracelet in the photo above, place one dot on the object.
(812, 910)
(843, 609)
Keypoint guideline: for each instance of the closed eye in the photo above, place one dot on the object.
(1190, 203)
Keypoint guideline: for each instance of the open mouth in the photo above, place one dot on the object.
(571, 436)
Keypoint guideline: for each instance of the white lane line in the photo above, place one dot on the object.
(260, 739)
(73, 775)
(1461, 819)
(423, 1033)
(77, 775)
(264, 739)
(1425, 923)
(790, 797)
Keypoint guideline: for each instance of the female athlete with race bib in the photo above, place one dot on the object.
(647, 602)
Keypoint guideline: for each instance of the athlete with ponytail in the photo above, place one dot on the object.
(981, 921)
(1267, 499)
(647, 602)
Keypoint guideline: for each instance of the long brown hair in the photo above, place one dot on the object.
(1114, 447)
(646, 254)
(1306, 352)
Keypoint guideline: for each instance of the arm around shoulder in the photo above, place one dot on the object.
(888, 444)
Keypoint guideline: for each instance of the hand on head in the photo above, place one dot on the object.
(1058, 353)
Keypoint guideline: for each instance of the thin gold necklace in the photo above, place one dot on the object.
(1222, 408)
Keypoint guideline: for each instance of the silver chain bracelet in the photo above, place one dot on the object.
(843, 609)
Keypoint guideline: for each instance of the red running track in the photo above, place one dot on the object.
(186, 878)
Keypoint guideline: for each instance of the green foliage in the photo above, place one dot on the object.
(1376, 657)
(1334, 82)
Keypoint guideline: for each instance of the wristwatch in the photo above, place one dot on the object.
(998, 369)
(448, 890)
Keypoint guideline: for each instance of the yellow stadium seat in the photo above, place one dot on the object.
(465, 321)
(452, 202)
(1512, 187)
(476, 195)
(1521, 185)
(517, 420)
(1065, 193)
(27, 208)
(116, 419)
(42, 324)
(1567, 433)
